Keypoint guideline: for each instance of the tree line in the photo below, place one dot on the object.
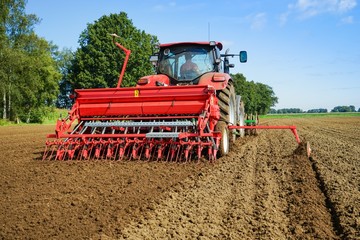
(350, 108)
(36, 77)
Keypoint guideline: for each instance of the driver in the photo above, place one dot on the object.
(189, 67)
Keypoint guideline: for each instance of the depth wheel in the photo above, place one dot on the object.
(224, 145)
(241, 119)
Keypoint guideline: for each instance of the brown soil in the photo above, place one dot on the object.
(262, 190)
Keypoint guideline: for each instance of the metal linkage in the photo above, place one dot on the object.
(292, 128)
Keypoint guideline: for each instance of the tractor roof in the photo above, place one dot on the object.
(164, 45)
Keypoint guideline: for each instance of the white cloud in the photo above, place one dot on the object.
(257, 21)
(346, 5)
(310, 8)
(347, 20)
(164, 7)
(284, 18)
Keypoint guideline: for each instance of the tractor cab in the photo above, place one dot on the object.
(185, 63)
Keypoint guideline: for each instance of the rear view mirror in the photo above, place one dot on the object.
(154, 59)
(243, 56)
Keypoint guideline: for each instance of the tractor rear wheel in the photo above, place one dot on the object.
(227, 104)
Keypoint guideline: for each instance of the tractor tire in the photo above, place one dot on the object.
(224, 146)
(227, 104)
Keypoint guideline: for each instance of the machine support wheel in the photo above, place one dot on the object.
(224, 145)
(240, 116)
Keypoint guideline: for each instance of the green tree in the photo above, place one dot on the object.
(28, 73)
(350, 108)
(98, 61)
(266, 98)
(318, 110)
(257, 97)
(64, 60)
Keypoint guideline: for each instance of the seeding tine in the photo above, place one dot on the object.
(139, 152)
(142, 151)
(110, 148)
(70, 151)
(59, 153)
(102, 150)
(186, 153)
(153, 152)
(53, 148)
(82, 149)
(121, 152)
(77, 152)
(108, 152)
(199, 150)
(159, 152)
(117, 145)
(66, 146)
(97, 152)
(45, 152)
(84, 152)
(169, 152)
(147, 152)
(133, 153)
(210, 154)
(178, 153)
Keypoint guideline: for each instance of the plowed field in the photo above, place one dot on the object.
(262, 190)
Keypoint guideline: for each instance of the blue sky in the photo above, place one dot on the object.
(308, 51)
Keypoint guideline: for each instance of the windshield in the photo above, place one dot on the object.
(186, 63)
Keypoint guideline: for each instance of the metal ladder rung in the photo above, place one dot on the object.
(162, 135)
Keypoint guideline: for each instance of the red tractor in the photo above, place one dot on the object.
(201, 63)
(188, 110)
